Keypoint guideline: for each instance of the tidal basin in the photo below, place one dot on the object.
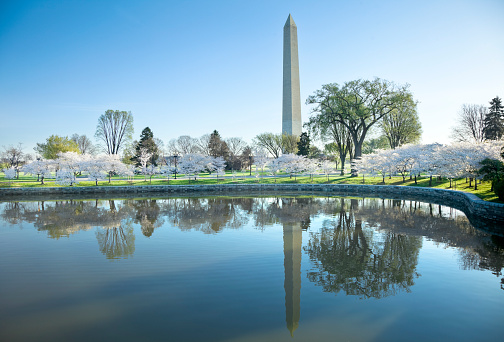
(232, 268)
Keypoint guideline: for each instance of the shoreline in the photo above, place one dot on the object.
(484, 214)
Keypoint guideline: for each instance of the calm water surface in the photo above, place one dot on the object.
(247, 269)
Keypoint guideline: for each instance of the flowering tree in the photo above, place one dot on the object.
(274, 167)
(95, 168)
(10, 173)
(112, 165)
(168, 170)
(311, 167)
(292, 164)
(261, 160)
(66, 177)
(192, 164)
(218, 164)
(326, 167)
(41, 168)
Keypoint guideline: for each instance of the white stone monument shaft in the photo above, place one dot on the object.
(291, 104)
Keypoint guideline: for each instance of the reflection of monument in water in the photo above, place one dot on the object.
(292, 237)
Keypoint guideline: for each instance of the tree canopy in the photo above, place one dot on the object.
(356, 105)
(402, 126)
(147, 144)
(54, 145)
(494, 120)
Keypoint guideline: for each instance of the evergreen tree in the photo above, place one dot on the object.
(147, 142)
(304, 145)
(218, 147)
(494, 120)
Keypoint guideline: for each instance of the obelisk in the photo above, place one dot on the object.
(292, 236)
(291, 104)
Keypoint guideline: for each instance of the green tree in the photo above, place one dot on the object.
(329, 130)
(114, 129)
(304, 144)
(494, 120)
(402, 125)
(55, 144)
(371, 145)
(217, 146)
(493, 170)
(357, 105)
(289, 143)
(148, 143)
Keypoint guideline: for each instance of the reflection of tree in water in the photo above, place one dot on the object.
(477, 249)
(285, 210)
(119, 240)
(359, 260)
(147, 215)
(209, 215)
(63, 218)
(116, 242)
(13, 212)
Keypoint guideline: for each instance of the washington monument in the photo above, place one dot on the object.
(291, 104)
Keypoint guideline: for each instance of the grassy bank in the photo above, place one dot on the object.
(483, 191)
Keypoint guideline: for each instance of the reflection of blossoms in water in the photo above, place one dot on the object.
(117, 242)
(385, 225)
(208, 215)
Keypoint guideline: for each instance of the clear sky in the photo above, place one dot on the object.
(189, 67)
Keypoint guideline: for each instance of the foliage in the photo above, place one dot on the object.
(146, 145)
(341, 144)
(114, 129)
(402, 126)
(357, 105)
(217, 147)
(289, 143)
(374, 144)
(498, 188)
(494, 120)
(304, 144)
(54, 145)
(270, 142)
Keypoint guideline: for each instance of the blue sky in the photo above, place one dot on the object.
(189, 67)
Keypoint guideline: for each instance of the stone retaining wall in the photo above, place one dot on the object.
(480, 213)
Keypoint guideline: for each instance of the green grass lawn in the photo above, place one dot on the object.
(483, 191)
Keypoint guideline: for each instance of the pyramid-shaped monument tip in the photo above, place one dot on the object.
(290, 21)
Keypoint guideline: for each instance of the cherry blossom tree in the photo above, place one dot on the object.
(326, 167)
(192, 164)
(168, 170)
(42, 168)
(10, 173)
(218, 164)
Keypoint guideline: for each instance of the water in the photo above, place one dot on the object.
(246, 269)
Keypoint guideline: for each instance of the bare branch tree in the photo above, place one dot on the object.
(236, 146)
(182, 145)
(114, 129)
(203, 144)
(85, 144)
(471, 124)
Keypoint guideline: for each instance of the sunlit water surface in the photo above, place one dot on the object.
(247, 269)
